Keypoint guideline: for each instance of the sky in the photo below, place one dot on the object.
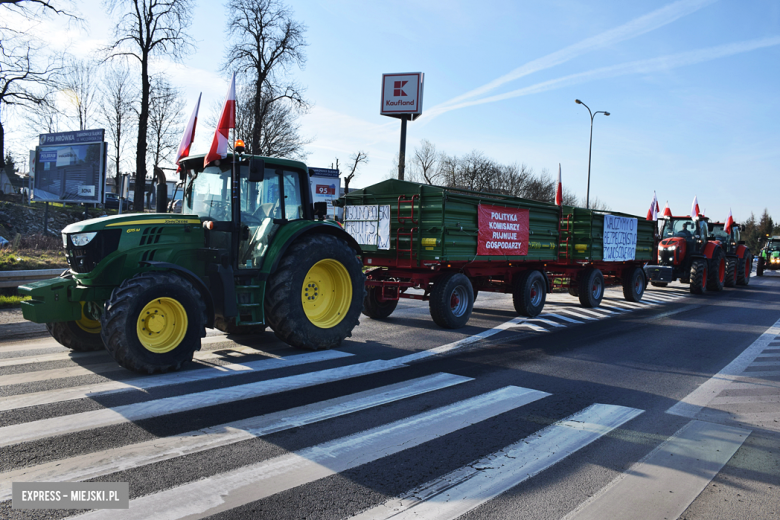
(691, 86)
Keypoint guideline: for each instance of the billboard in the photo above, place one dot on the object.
(70, 167)
(325, 186)
(402, 94)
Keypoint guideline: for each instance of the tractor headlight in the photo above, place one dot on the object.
(65, 241)
(82, 239)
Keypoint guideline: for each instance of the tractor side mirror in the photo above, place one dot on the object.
(320, 209)
(256, 170)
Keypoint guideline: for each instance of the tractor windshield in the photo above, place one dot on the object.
(679, 228)
(208, 194)
(719, 233)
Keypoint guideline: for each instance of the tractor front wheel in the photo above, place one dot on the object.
(731, 272)
(744, 267)
(591, 287)
(153, 322)
(699, 276)
(530, 293)
(81, 335)
(314, 298)
(760, 266)
(452, 300)
(717, 271)
(634, 284)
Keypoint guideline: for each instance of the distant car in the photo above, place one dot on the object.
(112, 202)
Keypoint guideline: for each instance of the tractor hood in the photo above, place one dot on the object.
(132, 219)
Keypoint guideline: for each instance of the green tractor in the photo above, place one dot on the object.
(769, 257)
(247, 251)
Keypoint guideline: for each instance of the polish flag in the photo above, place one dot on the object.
(227, 121)
(652, 213)
(667, 211)
(695, 208)
(189, 136)
(729, 223)
(559, 189)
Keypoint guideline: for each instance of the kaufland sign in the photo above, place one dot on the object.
(402, 94)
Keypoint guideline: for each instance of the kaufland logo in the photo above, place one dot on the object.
(397, 86)
(398, 91)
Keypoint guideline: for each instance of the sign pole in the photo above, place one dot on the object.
(402, 151)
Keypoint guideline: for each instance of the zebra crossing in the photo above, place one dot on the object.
(62, 414)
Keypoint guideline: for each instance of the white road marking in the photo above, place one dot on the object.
(596, 312)
(93, 465)
(144, 383)
(664, 483)
(630, 305)
(564, 318)
(43, 428)
(535, 328)
(693, 403)
(612, 308)
(548, 322)
(250, 483)
(745, 399)
(575, 313)
(764, 364)
(464, 489)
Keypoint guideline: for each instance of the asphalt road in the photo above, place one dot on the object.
(665, 409)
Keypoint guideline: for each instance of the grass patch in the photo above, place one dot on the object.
(22, 259)
(11, 301)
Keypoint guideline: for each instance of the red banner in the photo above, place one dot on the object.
(502, 231)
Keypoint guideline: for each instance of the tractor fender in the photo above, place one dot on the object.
(709, 249)
(193, 279)
(741, 250)
(325, 229)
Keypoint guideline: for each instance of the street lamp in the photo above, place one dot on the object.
(590, 146)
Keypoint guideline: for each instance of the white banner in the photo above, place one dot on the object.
(619, 238)
(368, 225)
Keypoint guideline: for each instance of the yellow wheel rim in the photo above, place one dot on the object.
(87, 324)
(326, 293)
(162, 325)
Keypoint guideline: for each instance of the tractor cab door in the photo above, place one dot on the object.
(700, 238)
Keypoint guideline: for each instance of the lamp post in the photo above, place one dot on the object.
(590, 146)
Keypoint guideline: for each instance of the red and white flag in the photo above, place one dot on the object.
(559, 189)
(652, 213)
(667, 211)
(189, 135)
(695, 208)
(227, 121)
(729, 223)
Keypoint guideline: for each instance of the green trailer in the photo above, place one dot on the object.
(452, 243)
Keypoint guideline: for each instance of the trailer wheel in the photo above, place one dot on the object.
(153, 322)
(731, 272)
(717, 271)
(81, 335)
(375, 309)
(760, 266)
(451, 301)
(573, 290)
(529, 293)
(634, 284)
(699, 276)
(591, 287)
(314, 298)
(229, 327)
(744, 267)
(659, 284)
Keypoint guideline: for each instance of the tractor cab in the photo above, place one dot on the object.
(680, 238)
(728, 241)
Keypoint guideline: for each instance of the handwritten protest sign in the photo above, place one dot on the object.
(619, 238)
(368, 225)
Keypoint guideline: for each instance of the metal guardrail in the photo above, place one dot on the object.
(17, 278)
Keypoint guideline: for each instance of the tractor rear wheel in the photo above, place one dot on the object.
(659, 284)
(81, 335)
(744, 267)
(760, 266)
(731, 272)
(717, 270)
(314, 298)
(452, 300)
(634, 284)
(153, 322)
(529, 293)
(375, 309)
(591, 287)
(699, 276)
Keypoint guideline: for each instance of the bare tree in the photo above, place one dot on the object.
(357, 158)
(424, 162)
(265, 43)
(80, 88)
(145, 29)
(165, 120)
(118, 114)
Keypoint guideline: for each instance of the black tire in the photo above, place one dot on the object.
(591, 287)
(375, 309)
(699, 276)
(529, 293)
(731, 273)
(284, 306)
(744, 267)
(659, 284)
(573, 290)
(79, 338)
(717, 270)
(760, 267)
(634, 284)
(122, 319)
(229, 327)
(451, 300)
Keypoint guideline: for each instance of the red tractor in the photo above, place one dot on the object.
(686, 253)
(739, 261)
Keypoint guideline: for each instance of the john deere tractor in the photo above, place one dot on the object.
(246, 252)
(769, 257)
(685, 253)
(739, 261)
